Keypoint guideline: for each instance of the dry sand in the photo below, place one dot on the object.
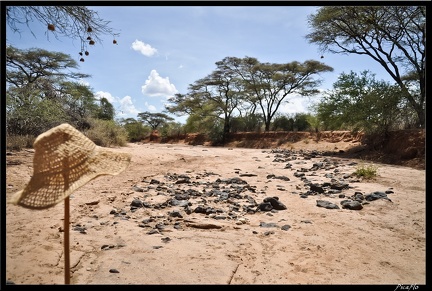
(383, 243)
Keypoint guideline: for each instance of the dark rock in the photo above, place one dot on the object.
(204, 225)
(358, 196)
(306, 221)
(376, 195)
(166, 239)
(270, 224)
(182, 181)
(136, 203)
(248, 175)
(275, 203)
(326, 204)
(181, 203)
(175, 213)
(352, 205)
(339, 186)
(200, 209)
(299, 174)
(234, 180)
(265, 206)
(316, 188)
(137, 189)
(286, 227)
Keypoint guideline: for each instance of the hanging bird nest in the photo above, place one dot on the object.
(51, 27)
(89, 29)
(92, 42)
(114, 41)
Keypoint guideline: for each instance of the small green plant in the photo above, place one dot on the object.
(366, 171)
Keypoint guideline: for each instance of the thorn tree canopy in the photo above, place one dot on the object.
(76, 22)
(394, 36)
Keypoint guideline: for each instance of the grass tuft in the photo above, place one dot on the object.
(366, 171)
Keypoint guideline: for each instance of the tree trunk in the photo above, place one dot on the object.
(267, 125)
(226, 130)
(421, 115)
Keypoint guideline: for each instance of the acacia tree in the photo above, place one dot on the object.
(270, 84)
(43, 91)
(394, 36)
(27, 66)
(216, 96)
(76, 22)
(154, 120)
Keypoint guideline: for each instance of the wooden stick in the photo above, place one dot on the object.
(66, 223)
(66, 242)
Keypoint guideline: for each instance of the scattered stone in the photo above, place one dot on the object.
(286, 227)
(352, 205)
(265, 206)
(271, 224)
(376, 195)
(230, 199)
(137, 189)
(316, 188)
(248, 175)
(204, 225)
(166, 239)
(326, 204)
(275, 203)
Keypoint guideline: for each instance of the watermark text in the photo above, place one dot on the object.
(411, 287)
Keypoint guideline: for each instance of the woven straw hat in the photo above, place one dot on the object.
(65, 160)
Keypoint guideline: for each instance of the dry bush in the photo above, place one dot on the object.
(19, 142)
(107, 133)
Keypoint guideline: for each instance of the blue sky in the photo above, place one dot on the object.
(163, 49)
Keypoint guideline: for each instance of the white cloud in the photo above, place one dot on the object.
(100, 94)
(156, 86)
(295, 104)
(143, 48)
(150, 108)
(127, 107)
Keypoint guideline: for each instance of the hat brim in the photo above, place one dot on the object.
(57, 178)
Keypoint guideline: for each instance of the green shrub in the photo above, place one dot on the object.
(136, 131)
(106, 133)
(366, 171)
